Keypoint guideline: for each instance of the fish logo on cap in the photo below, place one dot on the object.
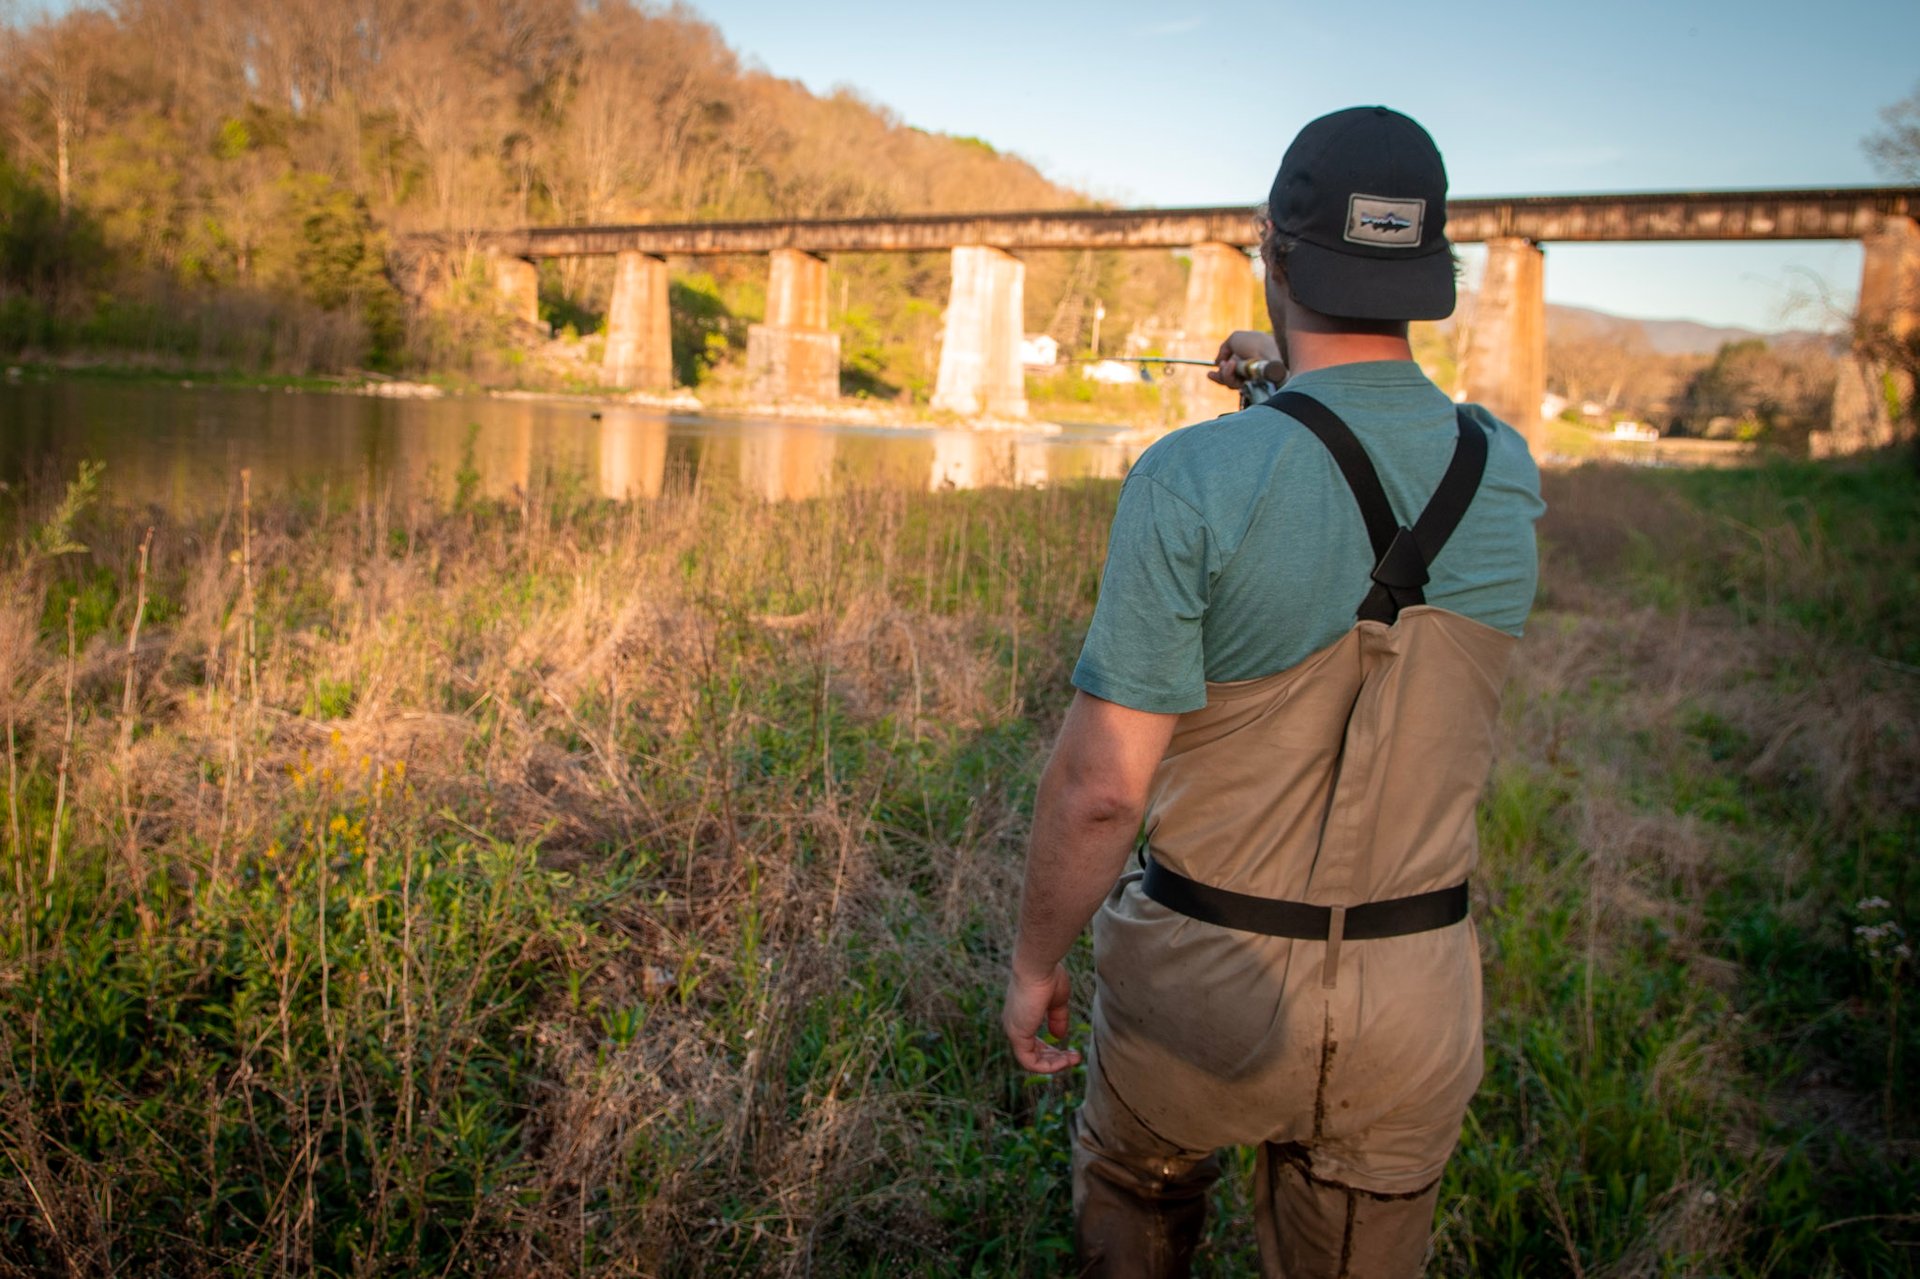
(1379, 220)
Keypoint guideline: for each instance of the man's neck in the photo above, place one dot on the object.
(1312, 341)
(1309, 351)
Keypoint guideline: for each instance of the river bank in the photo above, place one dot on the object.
(1135, 415)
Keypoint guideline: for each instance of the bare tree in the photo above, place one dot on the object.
(446, 110)
(607, 140)
(56, 63)
(1892, 341)
(1895, 147)
(1595, 360)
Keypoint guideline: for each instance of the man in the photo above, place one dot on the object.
(1293, 677)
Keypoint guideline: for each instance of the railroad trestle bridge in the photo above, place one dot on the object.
(794, 355)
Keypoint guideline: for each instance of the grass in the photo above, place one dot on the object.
(120, 372)
(1067, 396)
(574, 888)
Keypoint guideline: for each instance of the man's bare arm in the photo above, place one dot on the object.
(1092, 795)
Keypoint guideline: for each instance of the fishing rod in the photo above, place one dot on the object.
(1249, 370)
(1136, 359)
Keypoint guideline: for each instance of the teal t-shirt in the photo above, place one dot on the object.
(1238, 550)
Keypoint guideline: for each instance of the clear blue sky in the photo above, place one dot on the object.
(1194, 103)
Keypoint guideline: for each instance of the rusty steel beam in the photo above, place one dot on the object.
(1837, 214)
(933, 232)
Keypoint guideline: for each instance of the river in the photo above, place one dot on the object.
(181, 447)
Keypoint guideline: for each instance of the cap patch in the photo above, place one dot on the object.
(1375, 219)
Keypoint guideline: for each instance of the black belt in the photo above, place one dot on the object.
(1394, 917)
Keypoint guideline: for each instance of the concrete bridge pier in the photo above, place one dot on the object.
(639, 350)
(1890, 279)
(1888, 315)
(516, 283)
(980, 368)
(1219, 300)
(1507, 347)
(794, 356)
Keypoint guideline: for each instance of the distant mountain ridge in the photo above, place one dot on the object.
(1668, 337)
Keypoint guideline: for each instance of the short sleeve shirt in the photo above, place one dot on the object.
(1238, 550)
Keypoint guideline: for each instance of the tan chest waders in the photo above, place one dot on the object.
(1293, 964)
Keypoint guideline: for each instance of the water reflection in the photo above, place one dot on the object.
(969, 460)
(180, 448)
(786, 463)
(633, 454)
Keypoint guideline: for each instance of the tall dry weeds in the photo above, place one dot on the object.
(577, 888)
(733, 709)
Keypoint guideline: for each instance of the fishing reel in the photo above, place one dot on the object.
(1258, 382)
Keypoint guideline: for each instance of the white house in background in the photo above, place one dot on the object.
(1110, 371)
(1552, 406)
(1039, 351)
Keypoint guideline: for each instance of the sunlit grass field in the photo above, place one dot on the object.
(559, 887)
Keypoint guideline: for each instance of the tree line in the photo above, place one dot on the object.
(220, 180)
(1754, 388)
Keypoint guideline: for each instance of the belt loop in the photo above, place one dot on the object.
(1336, 931)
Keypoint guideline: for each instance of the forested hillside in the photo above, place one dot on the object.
(218, 182)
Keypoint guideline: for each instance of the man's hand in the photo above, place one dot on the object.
(1242, 348)
(1086, 813)
(1030, 1003)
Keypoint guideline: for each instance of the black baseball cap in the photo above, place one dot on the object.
(1363, 195)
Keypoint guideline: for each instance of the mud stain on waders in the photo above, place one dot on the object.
(1327, 1049)
(1346, 1238)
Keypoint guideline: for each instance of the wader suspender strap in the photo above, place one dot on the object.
(1401, 555)
(1401, 558)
